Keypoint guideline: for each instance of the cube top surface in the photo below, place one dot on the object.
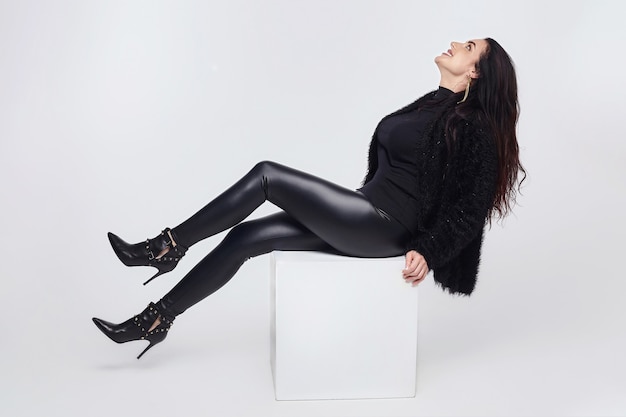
(310, 256)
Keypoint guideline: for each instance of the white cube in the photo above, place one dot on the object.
(341, 327)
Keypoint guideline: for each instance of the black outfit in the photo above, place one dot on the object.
(416, 195)
(317, 216)
(400, 141)
(456, 184)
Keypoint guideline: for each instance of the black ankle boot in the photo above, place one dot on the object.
(147, 253)
(137, 328)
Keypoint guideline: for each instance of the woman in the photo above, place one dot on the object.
(439, 169)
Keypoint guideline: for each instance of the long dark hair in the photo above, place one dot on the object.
(493, 101)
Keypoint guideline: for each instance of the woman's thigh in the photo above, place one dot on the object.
(341, 217)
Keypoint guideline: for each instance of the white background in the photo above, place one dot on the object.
(128, 116)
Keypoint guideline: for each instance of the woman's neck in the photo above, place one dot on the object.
(456, 84)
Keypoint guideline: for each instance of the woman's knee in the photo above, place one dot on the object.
(241, 233)
(252, 236)
(265, 167)
(267, 172)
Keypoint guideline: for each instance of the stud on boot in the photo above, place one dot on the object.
(163, 252)
(140, 327)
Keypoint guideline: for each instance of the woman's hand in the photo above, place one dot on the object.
(415, 269)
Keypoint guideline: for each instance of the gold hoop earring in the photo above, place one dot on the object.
(469, 81)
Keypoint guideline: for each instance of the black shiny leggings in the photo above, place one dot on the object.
(316, 215)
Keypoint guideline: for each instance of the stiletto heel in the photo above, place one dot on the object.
(138, 328)
(163, 252)
(162, 269)
(146, 349)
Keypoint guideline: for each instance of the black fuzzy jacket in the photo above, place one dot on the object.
(456, 189)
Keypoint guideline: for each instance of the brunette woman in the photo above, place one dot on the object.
(439, 170)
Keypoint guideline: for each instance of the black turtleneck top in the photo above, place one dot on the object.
(393, 188)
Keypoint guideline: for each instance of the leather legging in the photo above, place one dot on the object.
(316, 215)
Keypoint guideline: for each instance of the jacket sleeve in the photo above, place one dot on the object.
(466, 195)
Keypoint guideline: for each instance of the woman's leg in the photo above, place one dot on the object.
(341, 217)
(318, 215)
(244, 241)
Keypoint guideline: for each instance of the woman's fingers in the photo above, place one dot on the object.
(410, 261)
(411, 264)
(416, 268)
(418, 274)
(414, 280)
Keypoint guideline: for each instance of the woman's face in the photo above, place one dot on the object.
(461, 58)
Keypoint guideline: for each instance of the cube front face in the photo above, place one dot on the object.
(342, 328)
